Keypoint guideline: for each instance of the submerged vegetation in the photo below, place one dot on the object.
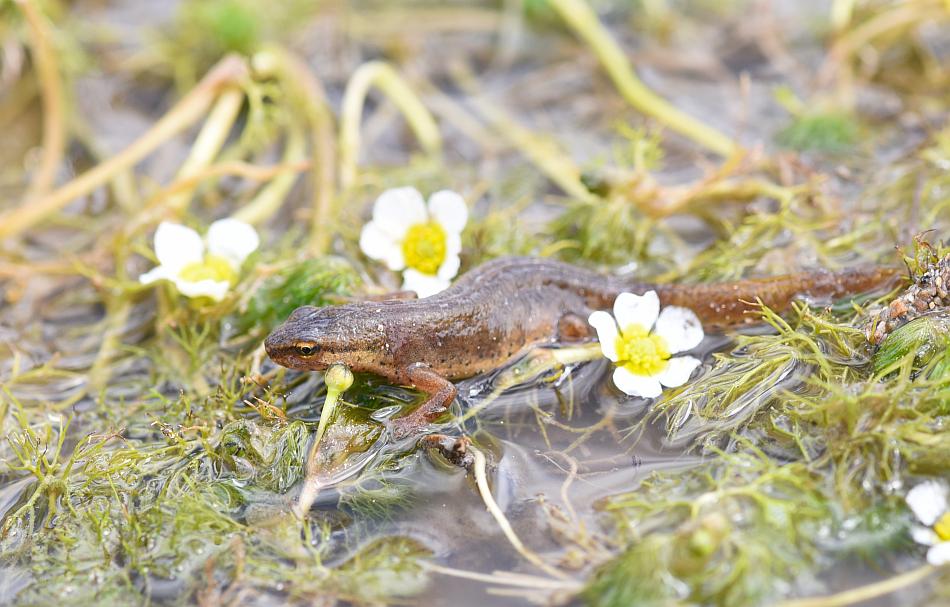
(151, 453)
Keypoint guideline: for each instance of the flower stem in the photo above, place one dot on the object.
(338, 379)
(390, 83)
(237, 168)
(118, 310)
(579, 16)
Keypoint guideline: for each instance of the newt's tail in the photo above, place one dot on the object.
(734, 303)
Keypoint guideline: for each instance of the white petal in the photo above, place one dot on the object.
(680, 329)
(449, 209)
(423, 284)
(636, 385)
(449, 267)
(924, 535)
(607, 333)
(157, 273)
(677, 371)
(382, 246)
(928, 501)
(397, 209)
(453, 244)
(232, 239)
(939, 555)
(176, 246)
(215, 289)
(630, 309)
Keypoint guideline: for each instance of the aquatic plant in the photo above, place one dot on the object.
(830, 132)
(151, 453)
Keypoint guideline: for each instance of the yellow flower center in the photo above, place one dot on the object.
(641, 352)
(212, 267)
(942, 527)
(424, 247)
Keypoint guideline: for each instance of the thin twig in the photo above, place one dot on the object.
(505, 578)
(865, 593)
(481, 479)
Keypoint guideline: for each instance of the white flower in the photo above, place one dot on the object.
(642, 339)
(929, 503)
(422, 242)
(196, 269)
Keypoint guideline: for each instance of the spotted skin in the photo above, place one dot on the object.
(498, 309)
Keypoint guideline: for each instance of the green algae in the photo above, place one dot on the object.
(152, 454)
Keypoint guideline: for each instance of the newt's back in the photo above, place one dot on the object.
(504, 305)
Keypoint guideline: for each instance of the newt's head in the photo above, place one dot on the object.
(315, 338)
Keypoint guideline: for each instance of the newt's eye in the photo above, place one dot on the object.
(305, 349)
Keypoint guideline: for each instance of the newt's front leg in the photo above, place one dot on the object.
(441, 393)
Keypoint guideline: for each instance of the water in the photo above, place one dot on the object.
(176, 473)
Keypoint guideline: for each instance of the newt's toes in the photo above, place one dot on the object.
(453, 448)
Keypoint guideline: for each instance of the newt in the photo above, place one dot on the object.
(498, 309)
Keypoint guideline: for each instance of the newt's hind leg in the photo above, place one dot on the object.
(573, 327)
(441, 394)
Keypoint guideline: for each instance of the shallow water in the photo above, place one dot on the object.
(186, 469)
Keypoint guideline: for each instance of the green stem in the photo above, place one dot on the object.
(391, 84)
(579, 16)
(338, 379)
(101, 370)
